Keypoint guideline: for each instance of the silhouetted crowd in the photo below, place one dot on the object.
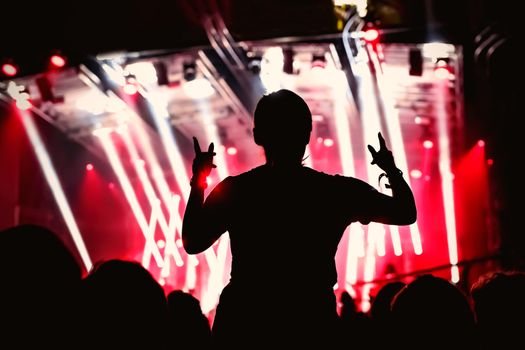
(46, 304)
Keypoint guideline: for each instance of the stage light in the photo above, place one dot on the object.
(161, 243)
(288, 58)
(198, 88)
(318, 61)
(9, 69)
(144, 72)
(490, 162)
(328, 142)
(57, 61)
(54, 183)
(428, 144)
(254, 63)
(442, 69)
(441, 72)
(23, 104)
(416, 173)
(231, 150)
(371, 35)
(130, 88)
(189, 71)
(415, 60)
(89, 167)
(481, 143)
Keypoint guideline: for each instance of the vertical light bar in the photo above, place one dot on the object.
(447, 179)
(147, 230)
(156, 171)
(169, 230)
(370, 265)
(393, 125)
(371, 125)
(356, 249)
(342, 128)
(159, 111)
(396, 243)
(54, 184)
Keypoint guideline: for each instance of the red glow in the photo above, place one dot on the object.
(130, 89)
(481, 143)
(89, 167)
(416, 173)
(441, 72)
(428, 144)
(9, 69)
(58, 61)
(490, 162)
(371, 35)
(328, 142)
(208, 181)
(231, 151)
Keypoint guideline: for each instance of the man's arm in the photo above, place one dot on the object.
(203, 221)
(400, 208)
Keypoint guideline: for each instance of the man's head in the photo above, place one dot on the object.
(283, 123)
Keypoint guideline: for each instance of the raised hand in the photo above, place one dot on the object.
(383, 158)
(202, 163)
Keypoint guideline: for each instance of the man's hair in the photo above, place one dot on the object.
(283, 115)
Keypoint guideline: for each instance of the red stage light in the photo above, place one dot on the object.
(9, 69)
(89, 166)
(231, 151)
(490, 162)
(441, 72)
(481, 143)
(130, 89)
(371, 35)
(328, 142)
(57, 61)
(416, 173)
(428, 144)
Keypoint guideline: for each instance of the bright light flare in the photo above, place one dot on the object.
(89, 167)
(9, 69)
(441, 72)
(198, 88)
(56, 187)
(147, 229)
(328, 142)
(428, 144)
(447, 179)
(130, 89)
(58, 61)
(231, 150)
(416, 173)
(371, 35)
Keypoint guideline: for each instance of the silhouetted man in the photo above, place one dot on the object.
(285, 222)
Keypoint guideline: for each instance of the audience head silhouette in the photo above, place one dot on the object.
(125, 306)
(283, 123)
(40, 280)
(435, 313)
(187, 323)
(499, 303)
(380, 310)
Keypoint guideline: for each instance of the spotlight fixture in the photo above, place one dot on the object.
(189, 71)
